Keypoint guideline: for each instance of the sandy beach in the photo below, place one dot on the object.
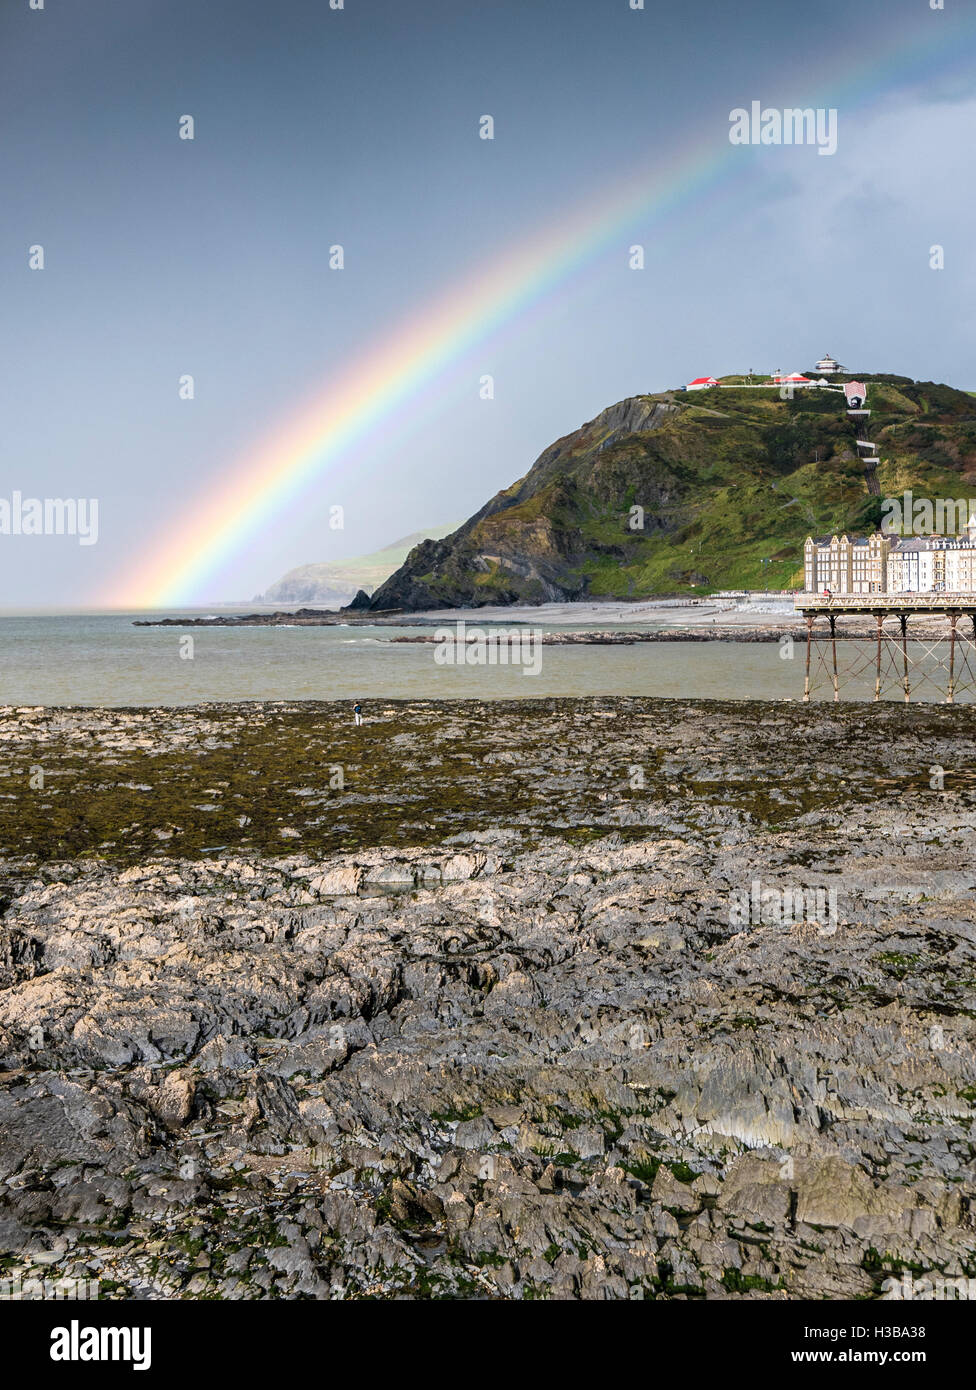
(680, 613)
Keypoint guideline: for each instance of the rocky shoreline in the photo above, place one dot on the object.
(492, 1000)
(760, 628)
(578, 637)
(299, 617)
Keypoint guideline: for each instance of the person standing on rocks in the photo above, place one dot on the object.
(357, 710)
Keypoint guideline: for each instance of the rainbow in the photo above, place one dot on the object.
(416, 353)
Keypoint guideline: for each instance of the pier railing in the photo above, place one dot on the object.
(886, 603)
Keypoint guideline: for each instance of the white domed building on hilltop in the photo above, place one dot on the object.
(827, 366)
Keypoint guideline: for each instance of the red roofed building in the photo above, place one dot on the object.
(701, 382)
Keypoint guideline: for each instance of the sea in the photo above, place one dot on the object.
(103, 659)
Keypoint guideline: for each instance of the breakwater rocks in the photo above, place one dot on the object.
(763, 630)
(609, 637)
(594, 999)
(300, 617)
(305, 617)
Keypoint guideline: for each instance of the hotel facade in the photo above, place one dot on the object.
(846, 564)
(884, 564)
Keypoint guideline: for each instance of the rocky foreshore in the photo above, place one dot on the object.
(504, 1000)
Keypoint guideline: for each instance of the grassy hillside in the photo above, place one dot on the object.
(727, 478)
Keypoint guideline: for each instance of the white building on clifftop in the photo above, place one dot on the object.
(826, 366)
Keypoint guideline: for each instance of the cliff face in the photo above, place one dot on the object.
(335, 582)
(675, 492)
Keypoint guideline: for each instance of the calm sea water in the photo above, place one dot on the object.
(105, 660)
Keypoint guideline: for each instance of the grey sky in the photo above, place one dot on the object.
(313, 126)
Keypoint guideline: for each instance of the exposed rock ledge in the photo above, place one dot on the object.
(513, 1065)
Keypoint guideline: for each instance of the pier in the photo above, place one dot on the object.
(853, 637)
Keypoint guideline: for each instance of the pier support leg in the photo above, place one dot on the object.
(833, 644)
(806, 683)
(951, 695)
(903, 619)
(877, 678)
